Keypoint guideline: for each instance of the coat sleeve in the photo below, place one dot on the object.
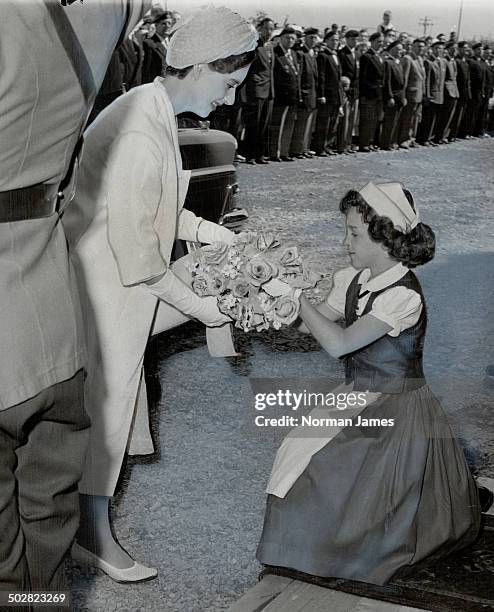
(134, 190)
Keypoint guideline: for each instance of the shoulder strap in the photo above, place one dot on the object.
(73, 49)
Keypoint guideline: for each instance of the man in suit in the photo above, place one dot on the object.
(349, 69)
(155, 47)
(371, 79)
(451, 95)
(460, 124)
(256, 95)
(393, 95)
(329, 96)
(414, 76)
(435, 76)
(307, 107)
(286, 73)
(479, 81)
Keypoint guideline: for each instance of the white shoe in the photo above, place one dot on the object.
(135, 573)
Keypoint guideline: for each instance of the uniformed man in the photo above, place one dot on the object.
(53, 61)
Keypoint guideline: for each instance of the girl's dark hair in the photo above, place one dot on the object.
(224, 65)
(413, 249)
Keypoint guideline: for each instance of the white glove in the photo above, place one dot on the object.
(209, 232)
(172, 290)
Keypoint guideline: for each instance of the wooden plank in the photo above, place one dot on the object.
(301, 596)
(262, 594)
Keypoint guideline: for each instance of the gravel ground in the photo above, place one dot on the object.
(195, 509)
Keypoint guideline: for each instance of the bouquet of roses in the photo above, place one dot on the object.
(257, 279)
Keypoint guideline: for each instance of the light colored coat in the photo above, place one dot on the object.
(123, 222)
(414, 73)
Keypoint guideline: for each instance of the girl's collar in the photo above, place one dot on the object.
(383, 280)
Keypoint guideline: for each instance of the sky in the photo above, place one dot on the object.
(477, 15)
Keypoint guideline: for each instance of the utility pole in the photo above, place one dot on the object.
(459, 19)
(426, 23)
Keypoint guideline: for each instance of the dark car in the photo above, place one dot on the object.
(209, 154)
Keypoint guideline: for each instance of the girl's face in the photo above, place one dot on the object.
(363, 251)
(211, 89)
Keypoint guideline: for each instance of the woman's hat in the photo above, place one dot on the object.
(208, 35)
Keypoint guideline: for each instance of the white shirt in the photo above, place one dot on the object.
(399, 307)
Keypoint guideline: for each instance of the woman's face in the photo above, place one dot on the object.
(211, 89)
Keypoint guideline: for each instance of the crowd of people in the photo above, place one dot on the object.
(338, 91)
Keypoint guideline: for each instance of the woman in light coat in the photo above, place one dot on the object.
(123, 222)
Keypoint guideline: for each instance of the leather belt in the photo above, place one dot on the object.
(26, 203)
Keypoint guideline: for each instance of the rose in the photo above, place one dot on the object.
(259, 270)
(200, 286)
(289, 256)
(284, 311)
(213, 254)
(216, 284)
(240, 287)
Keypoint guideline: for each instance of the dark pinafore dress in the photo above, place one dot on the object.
(375, 501)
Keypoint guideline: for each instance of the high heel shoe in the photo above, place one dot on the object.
(135, 573)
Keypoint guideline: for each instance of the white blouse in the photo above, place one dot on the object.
(399, 307)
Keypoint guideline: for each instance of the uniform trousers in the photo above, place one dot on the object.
(445, 118)
(456, 121)
(427, 127)
(302, 131)
(326, 126)
(42, 448)
(389, 134)
(409, 120)
(371, 110)
(256, 120)
(281, 130)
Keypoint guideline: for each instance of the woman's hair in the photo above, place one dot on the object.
(413, 249)
(224, 65)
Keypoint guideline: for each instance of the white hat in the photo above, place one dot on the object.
(208, 35)
(388, 200)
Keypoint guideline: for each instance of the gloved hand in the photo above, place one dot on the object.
(209, 232)
(172, 290)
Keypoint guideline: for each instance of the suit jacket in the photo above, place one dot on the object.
(371, 76)
(435, 71)
(131, 56)
(329, 81)
(450, 83)
(414, 76)
(259, 82)
(308, 78)
(394, 82)
(463, 79)
(349, 68)
(286, 78)
(154, 59)
(479, 78)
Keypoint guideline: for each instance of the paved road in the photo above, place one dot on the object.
(195, 509)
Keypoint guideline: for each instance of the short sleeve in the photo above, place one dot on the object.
(399, 307)
(341, 281)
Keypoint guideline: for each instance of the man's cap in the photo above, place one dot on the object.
(375, 36)
(351, 34)
(311, 31)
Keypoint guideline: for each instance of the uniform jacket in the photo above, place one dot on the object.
(154, 58)
(349, 68)
(308, 78)
(394, 82)
(450, 83)
(479, 78)
(414, 75)
(463, 79)
(41, 336)
(371, 76)
(329, 80)
(435, 71)
(259, 82)
(286, 78)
